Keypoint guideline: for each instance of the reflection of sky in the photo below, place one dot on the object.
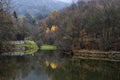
(33, 76)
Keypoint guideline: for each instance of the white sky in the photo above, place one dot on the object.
(69, 1)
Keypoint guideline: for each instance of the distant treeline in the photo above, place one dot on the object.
(93, 25)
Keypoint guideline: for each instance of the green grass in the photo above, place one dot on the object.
(31, 47)
(28, 44)
(31, 51)
(48, 47)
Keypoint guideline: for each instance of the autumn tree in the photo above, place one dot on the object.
(7, 25)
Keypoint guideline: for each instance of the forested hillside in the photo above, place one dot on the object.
(36, 8)
(93, 25)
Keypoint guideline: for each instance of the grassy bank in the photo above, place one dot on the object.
(48, 47)
(28, 45)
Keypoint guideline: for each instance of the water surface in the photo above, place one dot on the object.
(51, 65)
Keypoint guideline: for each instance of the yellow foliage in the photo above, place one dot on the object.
(54, 28)
(47, 30)
(53, 65)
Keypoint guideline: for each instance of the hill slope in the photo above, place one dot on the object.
(35, 7)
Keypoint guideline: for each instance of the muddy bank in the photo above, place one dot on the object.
(100, 55)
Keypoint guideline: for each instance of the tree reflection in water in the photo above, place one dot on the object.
(51, 66)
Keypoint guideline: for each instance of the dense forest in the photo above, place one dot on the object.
(12, 28)
(92, 25)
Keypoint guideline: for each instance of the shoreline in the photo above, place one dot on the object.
(110, 55)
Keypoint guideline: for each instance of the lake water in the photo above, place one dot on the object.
(50, 65)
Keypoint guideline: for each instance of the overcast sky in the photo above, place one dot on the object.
(69, 1)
